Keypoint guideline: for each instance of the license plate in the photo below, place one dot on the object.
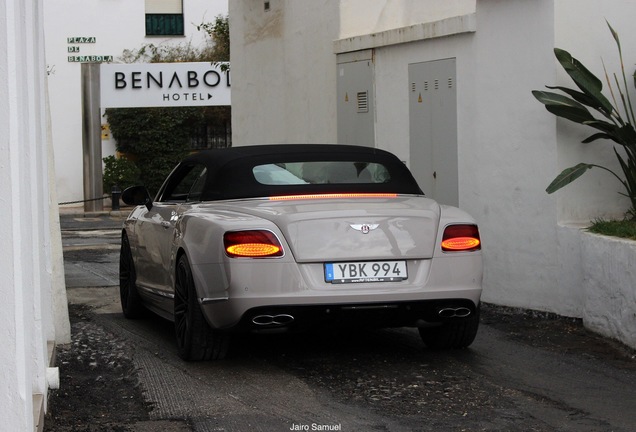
(365, 271)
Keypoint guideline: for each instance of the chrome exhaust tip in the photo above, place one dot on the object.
(460, 312)
(271, 320)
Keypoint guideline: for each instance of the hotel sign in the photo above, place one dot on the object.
(163, 85)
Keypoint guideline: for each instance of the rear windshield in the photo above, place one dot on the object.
(321, 172)
(288, 169)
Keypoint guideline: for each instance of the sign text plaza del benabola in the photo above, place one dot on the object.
(164, 85)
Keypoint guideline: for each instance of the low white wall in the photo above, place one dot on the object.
(609, 286)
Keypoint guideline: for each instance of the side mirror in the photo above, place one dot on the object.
(137, 195)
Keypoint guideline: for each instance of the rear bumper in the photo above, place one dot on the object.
(253, 289)
(269, 313)
(273, 319)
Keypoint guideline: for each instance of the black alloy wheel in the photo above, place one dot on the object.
(131, 303)
(195, 339)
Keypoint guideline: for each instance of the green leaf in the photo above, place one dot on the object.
(597, 136)
(578, 72)
(563, 106)
(577, 115)
(567, 176)
(623, 135)
(584, 99)
(626, 135)
(614, 35)
(603, 126)
(551, 98)
(583, 78)
(610, 129)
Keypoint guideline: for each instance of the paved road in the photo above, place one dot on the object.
(564, 380)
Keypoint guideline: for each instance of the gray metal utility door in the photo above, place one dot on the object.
(356, 118)
(433, 129)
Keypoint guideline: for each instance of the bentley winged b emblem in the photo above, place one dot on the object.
(364, 228)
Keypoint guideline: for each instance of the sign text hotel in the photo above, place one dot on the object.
(164, 84)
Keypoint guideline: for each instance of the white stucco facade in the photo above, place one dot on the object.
(33, 311)
(588, 39)
(116, 25)
(286, 66)
(360, 17)
(509, 146)
(41, 117)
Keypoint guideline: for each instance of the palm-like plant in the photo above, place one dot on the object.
(611, 122)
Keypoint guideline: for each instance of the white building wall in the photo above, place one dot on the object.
(26, 236)
(283, 71)
(506, 143)
(588, 39)
(510, 154)
(360, 17)
(509, 146)
(117, 25)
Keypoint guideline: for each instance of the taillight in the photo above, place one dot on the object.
(252, 244)
(461, 238)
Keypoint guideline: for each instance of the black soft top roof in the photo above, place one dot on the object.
(230, 175)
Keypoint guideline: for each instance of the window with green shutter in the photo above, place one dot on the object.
(164, 24)
(164, 18)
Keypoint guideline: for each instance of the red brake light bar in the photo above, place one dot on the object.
(461, 238)
(252, 244)
(332, 196)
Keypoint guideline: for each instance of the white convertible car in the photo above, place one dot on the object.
(288, 237)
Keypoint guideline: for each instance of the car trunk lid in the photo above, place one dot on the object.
(321, 230)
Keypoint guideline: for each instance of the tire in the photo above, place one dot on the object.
(453, 334)
(196, 340)
(131, 303)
